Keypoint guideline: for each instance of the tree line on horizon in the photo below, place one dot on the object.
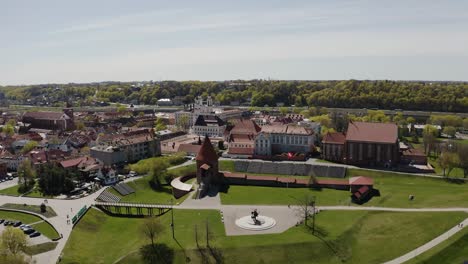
(384, 94)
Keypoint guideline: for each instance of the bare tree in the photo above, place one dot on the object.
(151, 228)
(306, 209)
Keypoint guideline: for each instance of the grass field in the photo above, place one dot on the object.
(428, 192)
(353, 237)
(453, 250)
(394, 189)
(13, 191)
(31, 208)
(238, 194)
(42, 227)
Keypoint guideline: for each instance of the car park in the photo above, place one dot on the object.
(17, 223)
(35, 234)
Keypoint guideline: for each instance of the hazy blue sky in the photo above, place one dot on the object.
(95, 40)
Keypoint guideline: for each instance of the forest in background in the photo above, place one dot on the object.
(424, 96)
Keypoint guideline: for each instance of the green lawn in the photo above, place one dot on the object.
(13, 191)
(429, 192)
(394, 189)
(238, 194)
(32, 208)
(351, 236)
(43, 227)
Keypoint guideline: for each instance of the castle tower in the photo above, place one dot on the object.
(208, 175)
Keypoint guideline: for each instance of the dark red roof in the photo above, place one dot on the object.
(207, 152)
(361, 180)
(332, 182)
(234, 175)
(372, 132)
(45, 115)
(245, 126)
(334, 138)
(189, 148)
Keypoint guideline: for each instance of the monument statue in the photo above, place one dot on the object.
(254, 215)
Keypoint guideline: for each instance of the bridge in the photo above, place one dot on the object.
(136, 209)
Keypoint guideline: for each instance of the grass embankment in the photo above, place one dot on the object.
(351, 236)
(45, 228)
(41, 248)
(32, 208)
(453, 250)
(145, 193)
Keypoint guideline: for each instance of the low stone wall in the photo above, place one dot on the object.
(289, 168)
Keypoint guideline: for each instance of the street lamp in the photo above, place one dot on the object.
(172, 218)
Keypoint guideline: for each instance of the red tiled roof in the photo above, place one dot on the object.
(361, 180)
(372, 132)
(77, 161)
(205, 166)
(234, 175)
(363, 189)
(245, 126)
(334, 138)
(189, 148)
(45, 115)
(332, 182)
(207, 152)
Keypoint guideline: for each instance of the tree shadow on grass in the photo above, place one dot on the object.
(160, 253)
(455, 180)
(335, 247)
(160, 188)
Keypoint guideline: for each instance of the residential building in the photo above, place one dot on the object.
(279, 139)
(127, 147)
(333, 145)
(210, 125)
(241, 138)
(50, 120)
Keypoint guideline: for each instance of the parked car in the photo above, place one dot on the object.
(17, 223)
(29, 231)
(132, 174)
(1, 221)
(35, 234)
(6, 223)
(24, 226)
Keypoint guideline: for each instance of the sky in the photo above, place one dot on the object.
(115, 40)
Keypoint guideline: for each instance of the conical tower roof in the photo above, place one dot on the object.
(207, 153)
